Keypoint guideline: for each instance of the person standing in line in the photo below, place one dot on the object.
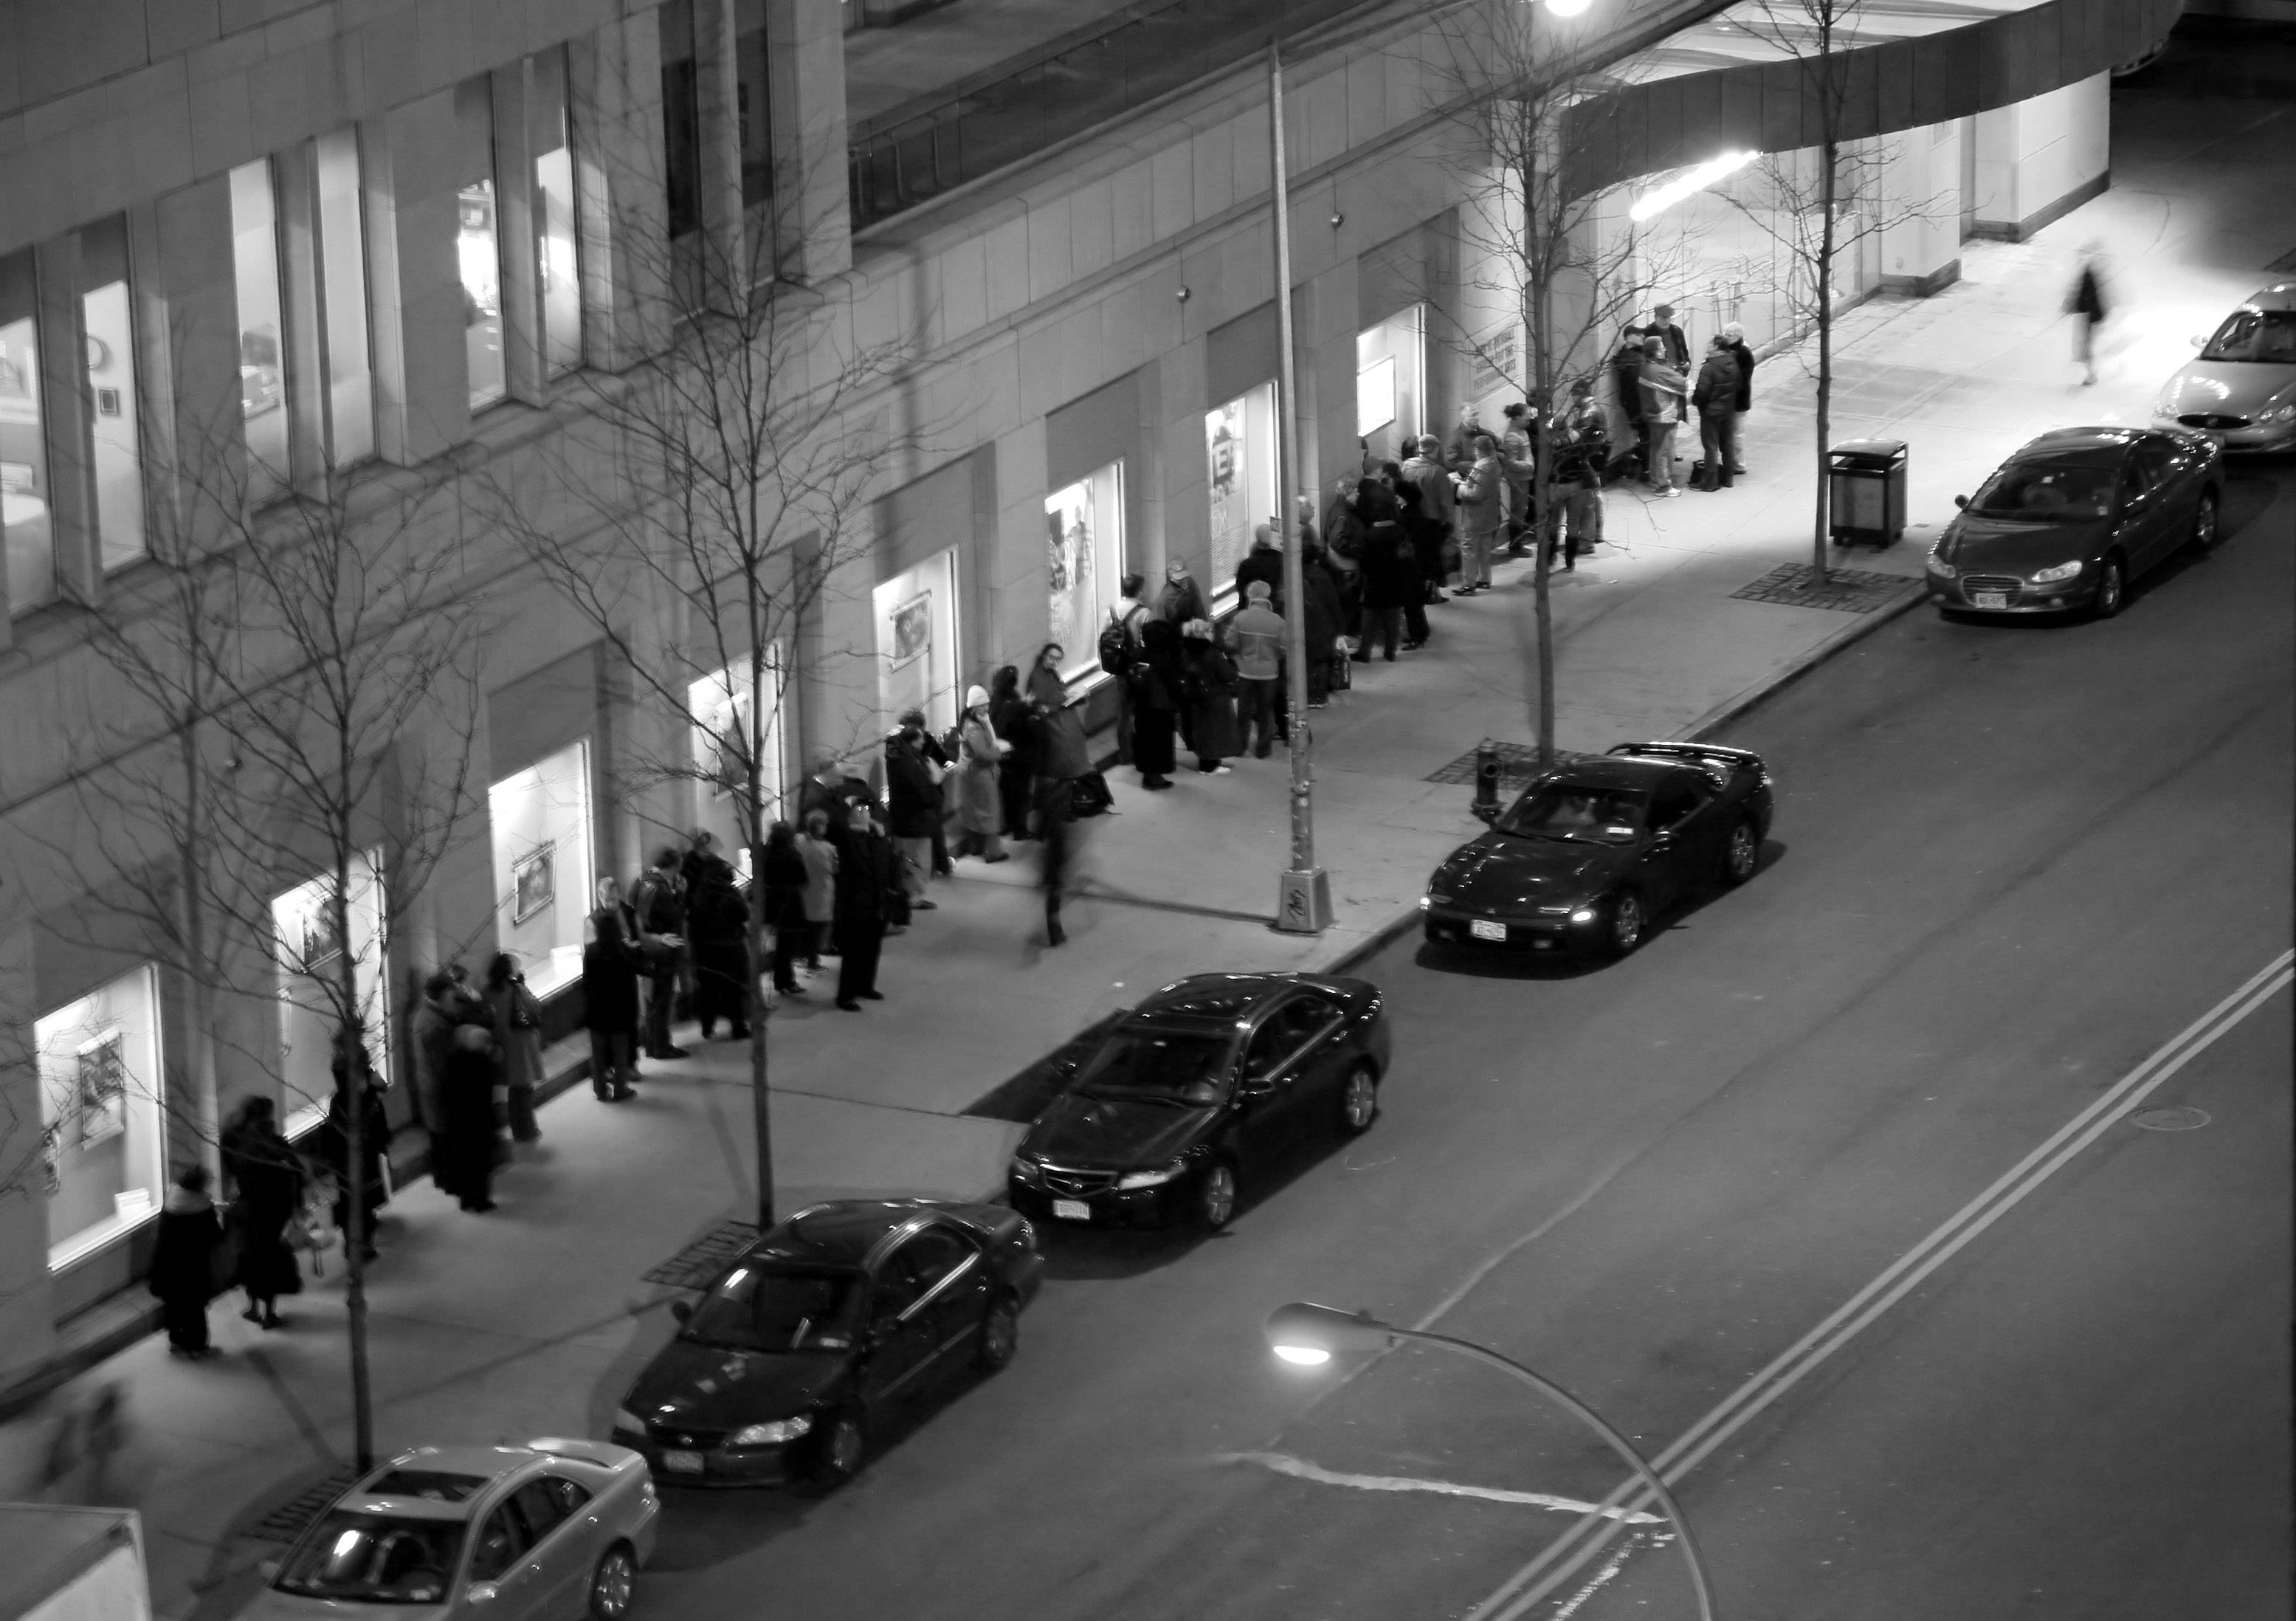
(1127, 615)
(661, 911)
(610, 1008)
(1630, 428)
(1580, 456)
(782, 878)
(1265, 564)
(1326, 618)
(979, 808)
(819, 852)
(1437, 500)
(183, 1264)
(1015, 729)
(469, 1096)
(2085, 304)
(1519, 463)
(1156, 686)
(1716, 396)
(356, 1085)
(718, 924)
(913, 797)
(1421, 545)
(1211, 675)
(868, 886)
(1482, 511)
(1061, 753)
(1664, 390)
(265, 1180)
(517, 1013)
(1744, 402)
(1257, 633)
(1678, 347)
(1181, 599)
(1389, 568)
(433, 1031)
(1459, 453)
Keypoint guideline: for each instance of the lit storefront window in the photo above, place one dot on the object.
(540, 819)
(478, 254)
(721, 744)
(1390, 383)
(916, 642)
(25, 526)
(1239, 441)
(309, 952)
(1083, 531)
(262, 363)
(103, 1148)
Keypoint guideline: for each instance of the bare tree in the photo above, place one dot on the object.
(696, 521)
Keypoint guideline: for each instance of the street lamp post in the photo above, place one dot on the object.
(1307, 1334)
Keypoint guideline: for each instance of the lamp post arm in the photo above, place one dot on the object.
(1601, 1427)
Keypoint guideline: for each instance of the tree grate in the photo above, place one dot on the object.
(1518, 764)
(1850, 590)
(698, 1265)
(285, 1523)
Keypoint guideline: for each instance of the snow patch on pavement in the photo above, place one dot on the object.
(1284, 1463)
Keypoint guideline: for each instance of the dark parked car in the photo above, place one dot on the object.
(1205, 1081)
(1599, 845)
(800, 1347)
(2070, 518)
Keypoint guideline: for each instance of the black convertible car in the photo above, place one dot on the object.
(1597, 846)
(1206, 1080)
(797, 1349)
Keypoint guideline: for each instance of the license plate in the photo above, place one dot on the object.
(682, 1463)
(1989, 599)
(1072, 1210)
(1487, 930)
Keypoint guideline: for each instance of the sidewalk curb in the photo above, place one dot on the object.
(1734, 709)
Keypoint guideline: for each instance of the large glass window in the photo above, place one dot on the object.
(753, 106)
(108, 328)
(722, 702)
(26, 527)
(916, 642)
(1084, 529)
(104, 1154)
(310, 951)
(477, 252)
(540, 822)
(342, 298)
(262, 360)
(556, 245)
(1240, 439)
(681, 117)
(1390, 383)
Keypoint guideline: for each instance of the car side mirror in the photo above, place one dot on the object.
(2197, 341)
(1962, 502)
(682, 1310)
(480, 1593)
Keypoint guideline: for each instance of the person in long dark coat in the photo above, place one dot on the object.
(1391, 570)
(868, 888)
(609, 1009)
(1156, 696)
(1424, 539)
(266, 1179)
(183, 1263)
(467, 1098)
(331, 1144)
(1325, 616)
(1211, 682)
(782, 879)
(717, 921)
(1009, 717)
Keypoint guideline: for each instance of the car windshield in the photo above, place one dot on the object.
(374, 1558)
(1181, 1067)
(778, 1308)
(2047, 492)
(2255, 335)
(1580, 811)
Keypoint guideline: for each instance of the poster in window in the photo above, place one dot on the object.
(912, 631)
(533, 883)
(320, 942)
(99, 1090)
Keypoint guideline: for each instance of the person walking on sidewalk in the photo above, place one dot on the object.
(1016, 729)
(266, 1179)
(913, 780)
(183, 1263)
(1181, 599)
(1744, 402)
(609, 1009)
(2085, 304)
(1057, 811)
(1482, 512)
(717, 921)
(661, 911)
(1258, 632)
(1156, 684)
(1664, 390)
(1716, 396)
(518, 1032)
(980, 811)
(868, 889)
(819, 852)
(784, 878)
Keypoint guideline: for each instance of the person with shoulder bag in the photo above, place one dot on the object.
(518, 1031)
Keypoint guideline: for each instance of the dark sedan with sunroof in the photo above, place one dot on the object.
(2073, 517)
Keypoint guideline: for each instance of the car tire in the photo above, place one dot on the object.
(1623, 923)
(2205, 534)
(1000, 1334)
(844, 1442)
(1211, 1205)
(1359, 1100)
(612, 1582)
(2111, 587)
(1741, 854)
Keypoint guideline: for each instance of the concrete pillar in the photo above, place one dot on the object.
(189, 334)
(422, 382)
(2038, 160)
(614, 83)
(1329, 325)
(300, 349)
(1187, 493)
(1011, 557)
(717, 115)
(1918, 192)
(26, 1310)
(812, 219)
(63, 368)
(514, 215)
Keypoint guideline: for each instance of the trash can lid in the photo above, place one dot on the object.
(1870, 447)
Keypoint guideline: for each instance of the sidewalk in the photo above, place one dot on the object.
(533, 1319)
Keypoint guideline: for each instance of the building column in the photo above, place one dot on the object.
(614, 83)
(813, 217)
(1329, 321)
(717, 93)
(26, 1310)
(514, 234)
(188, 330)
(422, 374)
(2040, 159)
(1011, 558)
(63, 367)
(1187, 474)
(1918, 193)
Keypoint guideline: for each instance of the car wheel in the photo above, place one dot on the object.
(1740, 854)
(1000, 1333)
(613, 1582)
(1359, 1100)
(2111, 587)
(1623, 927)
(844, 1440)
(1214, 1203)
(2204, 525)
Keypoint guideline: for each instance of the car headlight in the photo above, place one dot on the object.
(628, 1421)
(1940, 567)
(1153, 1179)
(2279, 413)
(778, 1433)
(1585, 914)
(1026, 1170)
(2063, 571)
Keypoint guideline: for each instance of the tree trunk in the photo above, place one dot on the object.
(753, 936)
(351, 1043)
(1830, 153)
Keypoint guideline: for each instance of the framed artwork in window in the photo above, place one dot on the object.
(100, 1089)
(533, 884)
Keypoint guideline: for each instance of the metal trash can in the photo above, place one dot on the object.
(1865, 497)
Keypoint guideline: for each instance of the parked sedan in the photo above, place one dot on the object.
(555, 1528)
(1198, 1087)
(1599, 845)
(2240, 388)
(2075, 515)
(801, 1348)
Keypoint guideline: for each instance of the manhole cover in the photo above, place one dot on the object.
(2170, 1117)
(1850, 590)
(285, 1523)
(698, 1265)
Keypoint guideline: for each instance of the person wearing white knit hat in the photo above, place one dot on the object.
(979, 812)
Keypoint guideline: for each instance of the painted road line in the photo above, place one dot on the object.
(1284, 1463)
(1583, 1541)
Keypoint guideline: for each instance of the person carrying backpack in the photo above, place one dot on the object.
(1119, 650)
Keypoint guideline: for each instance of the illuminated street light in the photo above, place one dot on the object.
(1688, 182)
(1307, 1334)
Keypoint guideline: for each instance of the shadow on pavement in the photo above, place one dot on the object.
(1074, 1254)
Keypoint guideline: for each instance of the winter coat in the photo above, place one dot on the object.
(183, 1252)
(266, 1179)
(1392, 579)
(1678, 347)
(1211, 675)
(1061, 751)
(330, 1143)
(1326, 615)
(1625, 372)
(1662, 389)
(518, 1032)
(820, 859)
(1180, 601)
(610, 987)
(1745, 359)
(1435, 495)
(914, 802)
(1256, 634)
(783, 879)
(868, 883)
(1264, 562)
(1717, 384)
(661, 909)
(1482, 505)
(1014, 725)
(978, 808)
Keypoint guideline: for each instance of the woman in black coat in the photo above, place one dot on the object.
(717, 921)
(782, 879)
(183, 1264)
(1390, 566)
(1156, 697)
(266, 1182)
(466, 1096)
(331, 1145)
(1009, 719)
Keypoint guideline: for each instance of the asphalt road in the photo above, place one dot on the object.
(2010, 863)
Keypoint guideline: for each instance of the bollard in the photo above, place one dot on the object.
(1486, 780)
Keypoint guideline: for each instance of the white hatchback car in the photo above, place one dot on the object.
(2240, 388)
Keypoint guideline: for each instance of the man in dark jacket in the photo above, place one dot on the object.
(1745, 401)
(913, 780)
(1716, 396)
(868, 891)
(660, 902)
(1678, 347)
(1264, 562)
(1325, 616)
(609, 1009)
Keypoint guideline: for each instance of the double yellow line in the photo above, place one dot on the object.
(1629, 1502)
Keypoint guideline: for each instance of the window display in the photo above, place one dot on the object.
(262, 366)
(540, 822)
(722, 703)
(103, 1153)
(1240, 439)
(1391, 383)
(477, 255)
(308, 951)
(1084, 529)
(25, 529)
(916, 643)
